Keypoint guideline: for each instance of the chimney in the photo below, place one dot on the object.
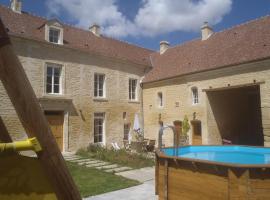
(95, 29)
(16, 6)
(164, 45)
(207, 31)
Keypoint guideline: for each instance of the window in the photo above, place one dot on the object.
(132, 89)
(195, 96)
(126, 131)
(99, 129)
(99, 85)
(54, 35)
(160, 99)
(53, 79)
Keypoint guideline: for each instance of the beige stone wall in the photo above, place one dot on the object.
(77, 100)
(178, 91)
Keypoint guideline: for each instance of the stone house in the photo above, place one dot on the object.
(220, 82)
(88, 85)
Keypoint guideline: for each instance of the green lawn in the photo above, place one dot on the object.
(91, 181)
(120, 157)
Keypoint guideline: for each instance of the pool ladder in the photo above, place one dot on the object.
(175, 137)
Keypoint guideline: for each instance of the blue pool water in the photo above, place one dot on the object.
(226, 154)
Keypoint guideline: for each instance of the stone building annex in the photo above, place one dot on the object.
(90, 86)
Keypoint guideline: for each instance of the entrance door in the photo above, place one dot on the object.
(196, 132)
(56, 121)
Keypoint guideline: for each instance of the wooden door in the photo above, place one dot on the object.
(56, 121)
(197, 133)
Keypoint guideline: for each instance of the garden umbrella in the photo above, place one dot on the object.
(137, 126)
(130, 136)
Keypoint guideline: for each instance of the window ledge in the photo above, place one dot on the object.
(55, 43)
(134, 101)
(100, 99)
(54, 96)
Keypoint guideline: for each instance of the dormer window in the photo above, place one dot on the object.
(54, 35)
(54, 32)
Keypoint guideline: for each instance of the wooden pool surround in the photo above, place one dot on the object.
(188, 179)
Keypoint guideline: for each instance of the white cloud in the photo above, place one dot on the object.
(154, 17)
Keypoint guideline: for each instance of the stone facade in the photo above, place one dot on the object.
(77, 101)
(177, 97)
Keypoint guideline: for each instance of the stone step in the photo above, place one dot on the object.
(69, 156)
(108, 166)
(89, 162)
(82, 160)
(97, 164)
(119, 169)
(71, 159)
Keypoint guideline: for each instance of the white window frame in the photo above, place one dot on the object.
(100, 115)
(59, 35)
(54, 66)
(160, 99)
(55, 25)
(195, 96)
(130, 89)
(98, 75)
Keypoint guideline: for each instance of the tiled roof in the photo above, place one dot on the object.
(30, 26)
(240, 44)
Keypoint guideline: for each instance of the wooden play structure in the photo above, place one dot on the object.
(45, 177)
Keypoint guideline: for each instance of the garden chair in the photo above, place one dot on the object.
(115, 146)
(226, 142)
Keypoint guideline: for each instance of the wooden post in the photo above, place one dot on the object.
(166, 179)
(33, 120)
(4, 136)
(238, 183)
(157, 175)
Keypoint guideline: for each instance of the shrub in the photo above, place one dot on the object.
(120, 157)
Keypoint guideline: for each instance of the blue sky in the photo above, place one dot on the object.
(147, 22)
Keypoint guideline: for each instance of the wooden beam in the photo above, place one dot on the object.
(233, 86)
(4, 136)
(33, 120)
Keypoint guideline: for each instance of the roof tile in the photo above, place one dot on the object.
(240, 44)
(30, 26)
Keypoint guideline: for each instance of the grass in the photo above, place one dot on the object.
(91, 181)
(120, 157)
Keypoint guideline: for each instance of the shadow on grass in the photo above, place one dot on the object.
(91, 181)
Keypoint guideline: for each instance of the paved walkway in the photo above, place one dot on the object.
(146, 191)
(94, 163)
(142, 175)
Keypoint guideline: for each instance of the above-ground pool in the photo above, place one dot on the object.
(213, 172)
(241, 155)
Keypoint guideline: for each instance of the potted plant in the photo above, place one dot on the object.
(185, 128)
